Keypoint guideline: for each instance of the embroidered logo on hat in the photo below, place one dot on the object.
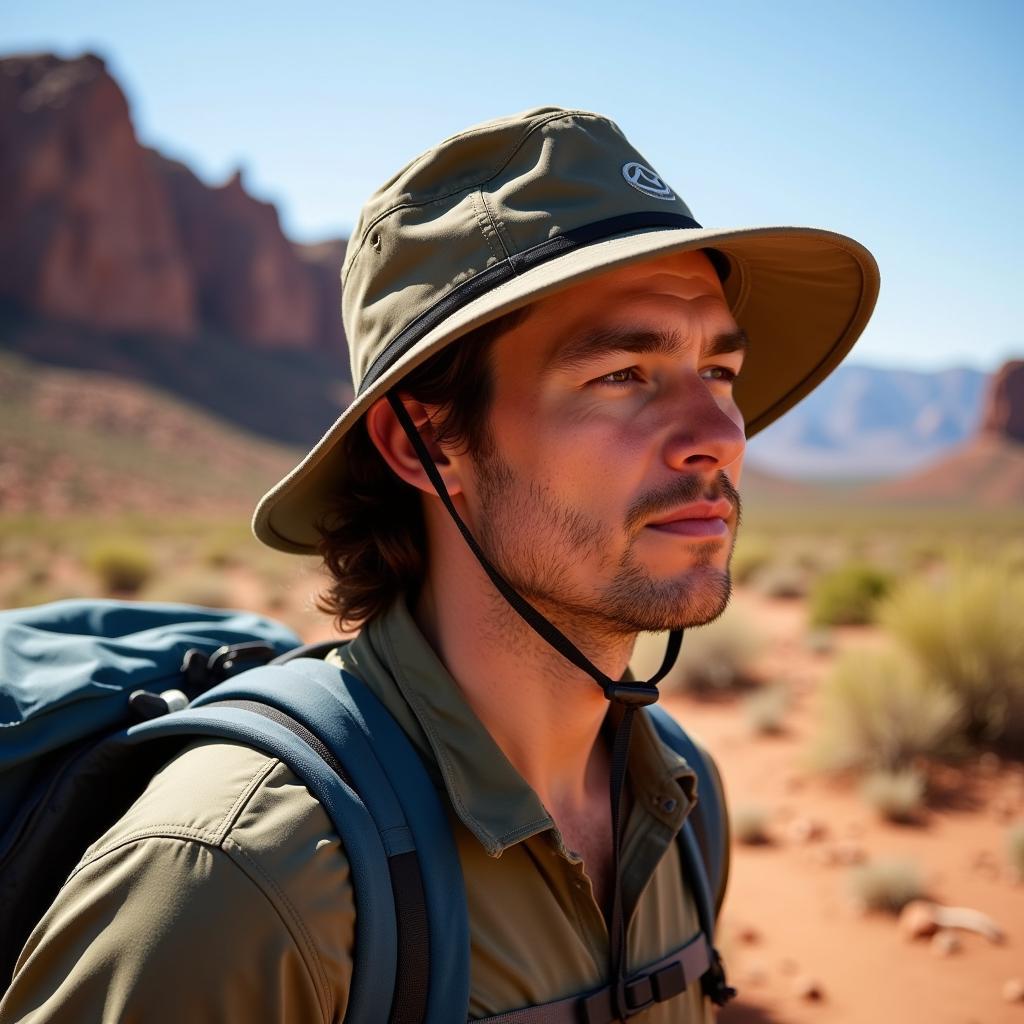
(643, 179)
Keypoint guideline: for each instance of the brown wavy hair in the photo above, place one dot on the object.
(372, 540)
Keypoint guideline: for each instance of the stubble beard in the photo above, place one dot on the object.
(534, 540)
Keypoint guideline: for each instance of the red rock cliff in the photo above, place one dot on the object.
(88, 232)
(104, 231)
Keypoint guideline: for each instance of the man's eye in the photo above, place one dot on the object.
(730, 375)
(618, 376)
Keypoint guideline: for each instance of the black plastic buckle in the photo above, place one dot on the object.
(635, 995)
(225, 658)
(202, 671)
(668, 982)
(146, 705)
(636, 694)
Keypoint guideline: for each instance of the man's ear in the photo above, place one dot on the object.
(391, 440)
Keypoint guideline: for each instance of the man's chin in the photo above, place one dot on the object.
(696, 599)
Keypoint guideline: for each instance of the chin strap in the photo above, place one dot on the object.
(630, 695)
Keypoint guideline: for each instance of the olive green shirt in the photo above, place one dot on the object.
(224, 894)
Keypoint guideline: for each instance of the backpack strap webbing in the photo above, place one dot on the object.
(709, 819)
(705, 859)
(375, 947)
(413, 940)
(390, 777)
(654, 984)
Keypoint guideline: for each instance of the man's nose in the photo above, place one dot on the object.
(704, 428)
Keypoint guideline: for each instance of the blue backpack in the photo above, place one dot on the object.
(95, 696)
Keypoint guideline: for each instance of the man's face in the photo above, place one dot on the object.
(610, 414)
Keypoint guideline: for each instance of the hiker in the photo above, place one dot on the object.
(556, 369)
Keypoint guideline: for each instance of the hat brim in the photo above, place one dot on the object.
(803, 295)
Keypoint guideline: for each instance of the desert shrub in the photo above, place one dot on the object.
(749, 557)
(1015, 848)
(749, 824)
(123, 566)
(717, 657)
(895, 796)
(848, 596)
(880, 711)
(766, 709)
(886, 884)
(966, 631)
(783, 580)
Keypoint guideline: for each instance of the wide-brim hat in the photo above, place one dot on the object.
(514, 209)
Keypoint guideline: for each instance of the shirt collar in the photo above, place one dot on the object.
(488, 794)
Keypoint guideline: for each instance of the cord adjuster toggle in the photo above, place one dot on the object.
(634, 694)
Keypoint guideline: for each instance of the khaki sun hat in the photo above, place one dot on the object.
(516, 208)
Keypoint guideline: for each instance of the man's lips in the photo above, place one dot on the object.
(703, 519)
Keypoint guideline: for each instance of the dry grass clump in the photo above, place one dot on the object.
(765, 710)
(896, 796)
(1015, 848)
(848, 596)
(966, 632)
(716, 658)
(880, 710)
(122, 566)
(886, 884)
(749, 824)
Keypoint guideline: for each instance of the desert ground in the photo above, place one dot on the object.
(797, 945)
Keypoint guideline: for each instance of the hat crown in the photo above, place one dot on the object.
(478, 199)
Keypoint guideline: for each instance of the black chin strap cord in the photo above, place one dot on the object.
(617, 924)
(626, 693)
(630, 695)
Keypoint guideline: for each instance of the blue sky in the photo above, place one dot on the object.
(896, 122)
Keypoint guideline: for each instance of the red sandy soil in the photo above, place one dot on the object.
(788, 916)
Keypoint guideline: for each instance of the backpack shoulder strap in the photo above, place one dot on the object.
(704, 845)
(376, 941)
(710, 820)
(432, 930)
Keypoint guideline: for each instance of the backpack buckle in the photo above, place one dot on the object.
(147, 705)
(202, 671)
(635, 995)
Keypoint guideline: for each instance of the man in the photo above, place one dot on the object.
(556, 372)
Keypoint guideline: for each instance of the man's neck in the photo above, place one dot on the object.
(544, 713)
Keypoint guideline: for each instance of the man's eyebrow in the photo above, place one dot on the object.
(597, 341)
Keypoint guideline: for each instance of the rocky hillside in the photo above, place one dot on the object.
(103, 231)
(83, 442)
